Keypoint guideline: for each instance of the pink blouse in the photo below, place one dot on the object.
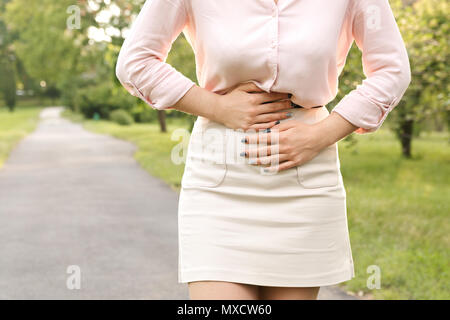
(295, 46)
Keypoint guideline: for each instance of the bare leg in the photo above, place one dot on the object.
(221, 290)
(288, 293)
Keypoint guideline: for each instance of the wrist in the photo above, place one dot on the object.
(217, 108)
(324, 133)
(333, 128)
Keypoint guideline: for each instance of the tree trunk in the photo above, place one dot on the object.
(406, 132)
(162, 120)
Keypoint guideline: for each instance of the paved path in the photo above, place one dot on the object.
(71, 197)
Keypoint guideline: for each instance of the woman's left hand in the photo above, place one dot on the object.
(292, 142)
(285, 145)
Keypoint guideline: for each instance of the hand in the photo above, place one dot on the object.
(249, 107)
(292, 143)
(286, 145)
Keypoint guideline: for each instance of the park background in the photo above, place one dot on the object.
(396, 178)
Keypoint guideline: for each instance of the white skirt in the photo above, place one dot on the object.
(239, 224)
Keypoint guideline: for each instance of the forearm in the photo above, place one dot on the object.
(332, 129)
(199, 102)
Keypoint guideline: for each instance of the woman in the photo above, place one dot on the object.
(262, 209)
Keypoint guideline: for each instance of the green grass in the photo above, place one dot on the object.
(398, 215)
(14, 126)
(397, 208)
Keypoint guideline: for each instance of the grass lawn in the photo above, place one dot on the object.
(398, 208)
(14, 126)
(398, 215)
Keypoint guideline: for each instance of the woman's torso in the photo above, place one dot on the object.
(282, 47)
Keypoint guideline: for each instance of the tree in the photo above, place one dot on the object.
(48, 47)
(128, 10)
(425, 30)
(7, 62)
(8, 84)
(41, 44)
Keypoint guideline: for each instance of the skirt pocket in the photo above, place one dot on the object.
(205, 161)
(321, 171)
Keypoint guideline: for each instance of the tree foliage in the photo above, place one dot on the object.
(425, 29)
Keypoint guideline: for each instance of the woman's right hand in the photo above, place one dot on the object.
(248, 107)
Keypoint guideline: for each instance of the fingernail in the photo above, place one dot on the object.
(242, 154)
(267, 130)
(278, 121)
(244, 140)
(289, 114)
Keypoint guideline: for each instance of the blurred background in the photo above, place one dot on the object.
(63, 53)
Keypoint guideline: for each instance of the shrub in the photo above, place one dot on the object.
(143, 113)
(103, 99)
(121, 117)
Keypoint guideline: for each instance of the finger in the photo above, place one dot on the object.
(274, 116)
(262, 126)
(285, 125)
(267, 136)
(282, 166)
(267, 97)
(262, 151)
(271, 160)
(274, 107)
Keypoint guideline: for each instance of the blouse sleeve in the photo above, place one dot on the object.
(385, 65)
(141, 66)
